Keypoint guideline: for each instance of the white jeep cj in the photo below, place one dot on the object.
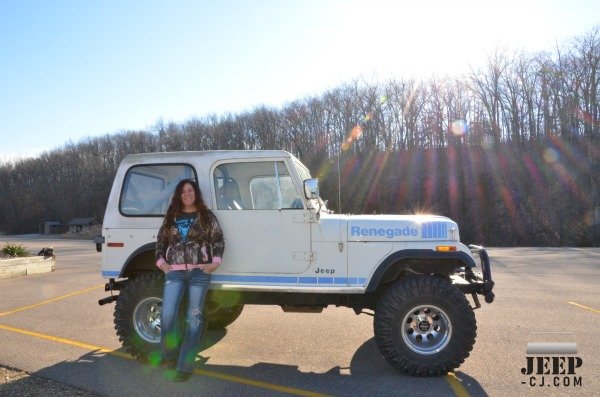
(283, 247)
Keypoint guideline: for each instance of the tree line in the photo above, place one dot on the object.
(511, 150)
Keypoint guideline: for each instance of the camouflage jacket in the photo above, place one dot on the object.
(199, 246)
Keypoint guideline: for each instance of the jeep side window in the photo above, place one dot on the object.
(265, 185)
(147, 189)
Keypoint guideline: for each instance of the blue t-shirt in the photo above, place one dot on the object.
(183, 222)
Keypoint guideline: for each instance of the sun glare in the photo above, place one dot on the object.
(419, 39)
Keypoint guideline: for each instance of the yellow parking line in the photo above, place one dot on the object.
(212, 374)
(64, 341)
(256, 383)
(456, 385)
(584, 307)
(50, 300)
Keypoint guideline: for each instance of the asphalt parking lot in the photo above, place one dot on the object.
(52, 327)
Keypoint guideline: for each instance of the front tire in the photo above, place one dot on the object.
(424, 326)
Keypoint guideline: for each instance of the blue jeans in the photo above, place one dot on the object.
(195, 282)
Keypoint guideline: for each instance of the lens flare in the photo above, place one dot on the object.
(453, 188)
(534, 171)
(154, 358)
(172, 340)
(354, 135)
(458, 128)
(551, 155)
(356, 132)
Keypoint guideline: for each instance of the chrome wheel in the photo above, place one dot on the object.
(426, 329)
(146, 319)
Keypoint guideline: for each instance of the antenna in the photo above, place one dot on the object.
(339, 172)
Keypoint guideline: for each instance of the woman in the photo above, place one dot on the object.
(188, 249)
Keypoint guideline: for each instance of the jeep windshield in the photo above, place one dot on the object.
(304, 174)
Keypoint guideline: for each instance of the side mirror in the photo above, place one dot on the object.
(311, 189)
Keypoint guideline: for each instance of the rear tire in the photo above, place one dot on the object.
(222, 308)
(220, 317)
(138, 314)
(424, 326)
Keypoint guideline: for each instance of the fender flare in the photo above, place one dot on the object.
(127, 267)
(454, 260)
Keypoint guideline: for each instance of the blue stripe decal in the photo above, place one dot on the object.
(255, 279)
(308, 280)
(314, 281)
(434, 230)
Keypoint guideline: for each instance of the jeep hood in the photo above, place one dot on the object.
(389, 228)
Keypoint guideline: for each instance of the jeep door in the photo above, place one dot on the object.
(264, 218)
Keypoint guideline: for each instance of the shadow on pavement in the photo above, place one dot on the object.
(368, 375)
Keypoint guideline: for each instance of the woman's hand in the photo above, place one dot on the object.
(209, 267)
(165, 267)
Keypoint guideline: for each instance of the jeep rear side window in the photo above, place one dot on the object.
(263, 185)
(148, 189)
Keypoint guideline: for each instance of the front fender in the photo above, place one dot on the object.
(420, 261)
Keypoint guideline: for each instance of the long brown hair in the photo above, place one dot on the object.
(176, 206)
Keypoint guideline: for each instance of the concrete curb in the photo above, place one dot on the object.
(23, 266)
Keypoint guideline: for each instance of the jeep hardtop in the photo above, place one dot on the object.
(285, 248)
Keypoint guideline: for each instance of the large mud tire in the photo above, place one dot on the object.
(137, 316)
(424, 326)
(138, 311)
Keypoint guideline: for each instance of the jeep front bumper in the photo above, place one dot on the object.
(477, 283)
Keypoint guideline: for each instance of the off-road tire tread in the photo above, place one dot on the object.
(128, 298)
(409, 293)
(223, 316)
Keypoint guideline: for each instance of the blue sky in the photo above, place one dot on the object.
(73, 69)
